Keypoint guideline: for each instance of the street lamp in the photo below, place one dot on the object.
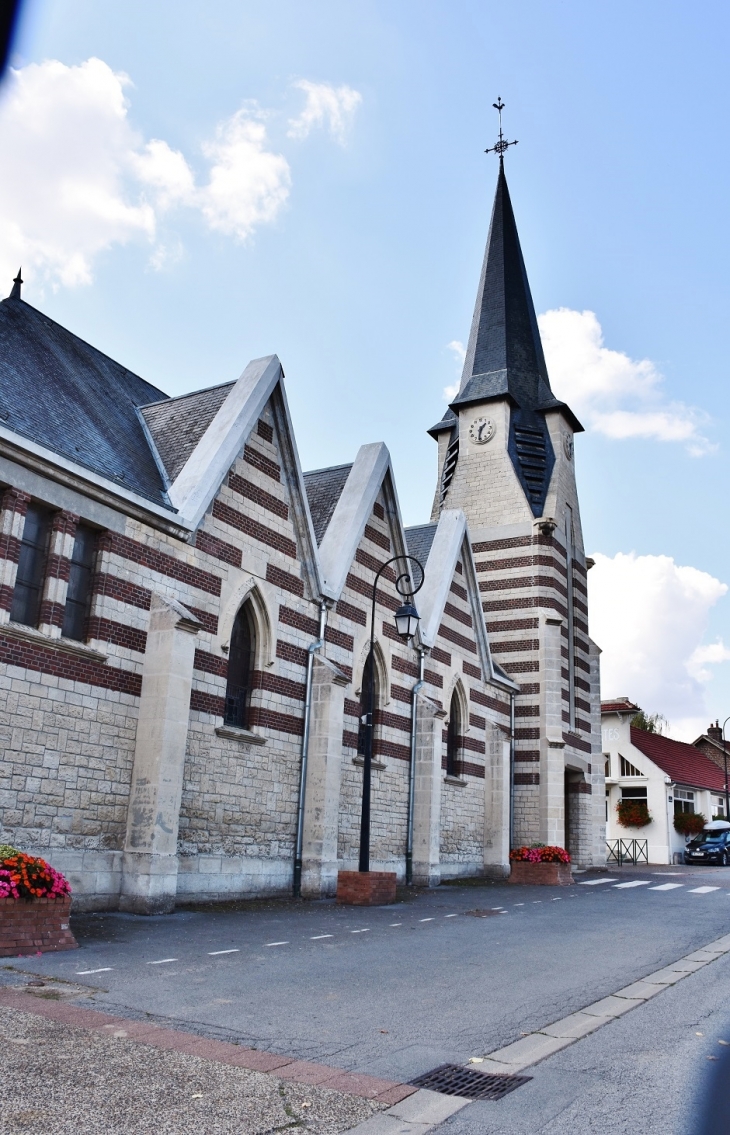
(724, 757)
(406, 622)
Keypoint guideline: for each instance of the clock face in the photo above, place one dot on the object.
(568, 446)
(482, 430)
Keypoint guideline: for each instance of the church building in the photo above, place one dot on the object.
(185, 626)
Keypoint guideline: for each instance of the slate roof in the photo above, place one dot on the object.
(177, 424)
(60, 392)
(420, 539)
(684, 763)
(324, 489)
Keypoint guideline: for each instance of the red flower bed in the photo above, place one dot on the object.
(689, 823)
(542, 854)
(26, 877)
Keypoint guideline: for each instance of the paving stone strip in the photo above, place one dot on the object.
(424, 1110)
(283, 1067)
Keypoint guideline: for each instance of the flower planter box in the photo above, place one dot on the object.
(366, 888)
(41, 925)
(542, 874)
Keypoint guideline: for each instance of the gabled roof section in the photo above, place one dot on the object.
(62, 394)
(684, 763)
(223, 440)
(177, 424)
(371, 471)
(324, 489)
(445, 545)
(619, 705)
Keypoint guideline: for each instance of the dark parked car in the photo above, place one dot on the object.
(709, 847)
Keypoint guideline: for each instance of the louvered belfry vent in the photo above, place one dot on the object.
(533, 458)
(450, 462)
(455, 1080)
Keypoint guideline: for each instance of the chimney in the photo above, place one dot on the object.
(714, 732)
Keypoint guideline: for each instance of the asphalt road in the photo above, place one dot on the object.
(394, 991)
(646, 1073)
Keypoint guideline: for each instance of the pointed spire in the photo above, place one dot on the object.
(504, 355)
(17, 284)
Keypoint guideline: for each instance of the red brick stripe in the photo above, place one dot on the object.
(51, 614)
(160, 562)
(363, 587)
(354, 614)
(210, 663)
(576, 742)
(376, 537)
(459, 591)
(112, 587)
(472, 671)
(264, 430)
(280, 722)
(207, 703)
(208, 621)
(290, 653)
(500, 545)
(284, 580)
(527, 711)
(456, 613)
(530, 667)
(47, 660)
(527, 778)
(263, 464)
(440, 655)
(15, 500)
(252, 528)
(219, 549)
(265, 680)
(249, 491)
(350, 740)
(504, 625)
(505, 646)
(370, 562)
(518, 581)
(382, 748)
(107, 630)
(526, 756)
(9, 548)
(457, 639)
(491, 703)
(477, 722)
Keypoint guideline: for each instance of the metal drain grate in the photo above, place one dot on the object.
(453, 1080)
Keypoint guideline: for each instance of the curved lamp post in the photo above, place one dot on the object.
(406, 622)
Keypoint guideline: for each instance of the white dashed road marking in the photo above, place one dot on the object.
(316, 937)
(451, 916)
(163, 961)
(667, 887)
(365, 931)
(83, 972)
(633, 883)
(215, 953)
(595, 882)
(425, 920)
(396, 923)
(702, 890)
(277, 943)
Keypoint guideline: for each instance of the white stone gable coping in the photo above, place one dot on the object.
(202, 474)
(450, 543)
(370, 472)
(193, 490)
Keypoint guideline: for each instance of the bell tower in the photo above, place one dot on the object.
(506, 457)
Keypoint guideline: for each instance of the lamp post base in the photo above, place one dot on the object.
(366, 888)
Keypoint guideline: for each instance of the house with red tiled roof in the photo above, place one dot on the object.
(669, 776)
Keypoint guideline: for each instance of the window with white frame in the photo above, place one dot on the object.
(718, 807)
(684, 801)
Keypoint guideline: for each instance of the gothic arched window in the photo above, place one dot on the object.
(453, 737)
(241, 660)
(368, 670)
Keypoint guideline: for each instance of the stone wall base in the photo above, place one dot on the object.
(366, 888)
(541, 874)
(30, 927)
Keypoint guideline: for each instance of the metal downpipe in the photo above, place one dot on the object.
(412, 768)
(311, 651)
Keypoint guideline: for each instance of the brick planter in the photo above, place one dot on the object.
(366, 888)
(542, 874)
(27, 927)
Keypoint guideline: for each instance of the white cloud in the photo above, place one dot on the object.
(459, 350)
(612, 393)
(649, 615)
(327, 107)
(78, 178)
(248, 183)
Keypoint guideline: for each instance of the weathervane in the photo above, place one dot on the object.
(501, 145)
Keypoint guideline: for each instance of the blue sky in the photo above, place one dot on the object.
(357, 257)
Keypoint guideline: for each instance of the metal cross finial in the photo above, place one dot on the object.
(501, 145)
